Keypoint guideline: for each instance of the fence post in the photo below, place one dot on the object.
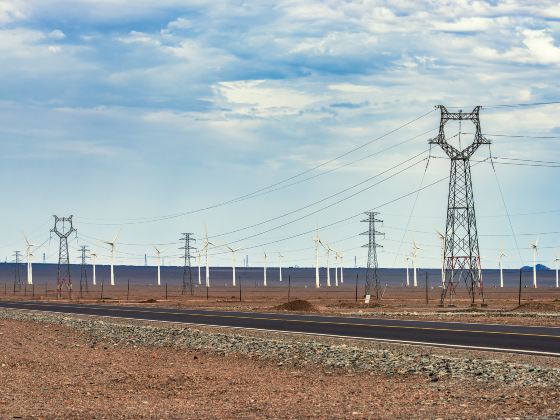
(289, 286)
(127, 289)
(207, 292)
(519, 298)
(356, 287)
(427, 297)
(239, 280)
(165, 291)
(102, 283)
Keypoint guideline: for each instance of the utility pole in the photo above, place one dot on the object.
(63, 228)
(372, 277)
(83, 269)
(461, 254)
(17, 274)
(187, 269)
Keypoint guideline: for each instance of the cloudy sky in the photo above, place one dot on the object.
(159, 117)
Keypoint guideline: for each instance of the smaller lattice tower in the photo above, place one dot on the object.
(63, 228)
(372, 275)
(187, 269)
(17, 273)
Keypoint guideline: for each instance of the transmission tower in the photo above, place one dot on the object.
(63, 228)
(461, 251)
(17, 274)
(83, 269)
(372, 277)
(187, 272)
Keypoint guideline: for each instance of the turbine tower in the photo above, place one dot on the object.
(415, 249)
(207, 243)
(94, 260)
(233, 251)
(318, 242)
(336, 257)
(29, 253)
(341, 256)
(158, 254)
(264, 267)
(112, 244)
(556, 260)
(535, 246)
(407, 262)
(280, 257)
(501, 255)
(328, 249)
(372, 278)
(462, 255)
(63, 228)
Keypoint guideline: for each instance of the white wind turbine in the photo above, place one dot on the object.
(158, 253)
(112, 244)
(336, 259)
(341, 270)
(535, 246)
(280, 257)
(29, 253)
(329, 250)
(556, 260)
(205, 248)
(94, 260)
(407, 262)
(442, 241)
(264, 269)
(318, 242)
(415, 249)
(233, 251)
(501, 255)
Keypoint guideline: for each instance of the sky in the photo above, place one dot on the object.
(153, 118)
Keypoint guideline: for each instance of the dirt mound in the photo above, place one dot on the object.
(537, 306)
(296, 305)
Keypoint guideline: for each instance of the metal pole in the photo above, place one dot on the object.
(127, 289)
(239, 281)
(206, 292)
(427, 298)
(25, 289)
(33, 290)
(165, 291)
(289, 286)
(519, 298)
(102, 283)
(81, 296)
(46, 288)
(356, 287)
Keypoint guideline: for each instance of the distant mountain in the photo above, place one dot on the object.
(540, 267)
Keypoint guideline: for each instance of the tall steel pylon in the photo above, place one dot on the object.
(83, 269)
(372, 277)
(187, 269)
(461, 250)
(17, 273)
(63, 228)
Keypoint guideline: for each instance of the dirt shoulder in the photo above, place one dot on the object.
(56, 370)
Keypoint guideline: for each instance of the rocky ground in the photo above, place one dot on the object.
(58, 366)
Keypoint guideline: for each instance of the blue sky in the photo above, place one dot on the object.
(121, 110)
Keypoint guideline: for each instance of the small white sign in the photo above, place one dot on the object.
(368, 297)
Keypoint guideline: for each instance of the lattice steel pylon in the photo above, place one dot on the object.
(187, 269)
(83, 269)
(372, 276)
(63, 228)
(17, 274)
(461, 250)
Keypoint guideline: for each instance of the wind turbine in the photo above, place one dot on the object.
(94, 259)
(158, 253)
(264, 269)
(535, 246)
(556, 261)
(407, 261)
(318, 242)
(232, 263)
(29, 258)
(341, 270)
(336, 259)
(205, 248)
(442, 241)
(329, 249)
(112, 244)
(415, 249)
(501, 255)
(280, 257)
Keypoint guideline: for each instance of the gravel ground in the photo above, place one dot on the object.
(60, 368)
(304, 351)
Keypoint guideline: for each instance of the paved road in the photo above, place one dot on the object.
(510, 338)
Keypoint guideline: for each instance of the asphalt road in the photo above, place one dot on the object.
(509, 338)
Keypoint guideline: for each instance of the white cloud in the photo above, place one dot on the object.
(57, 34)
(11, 11)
